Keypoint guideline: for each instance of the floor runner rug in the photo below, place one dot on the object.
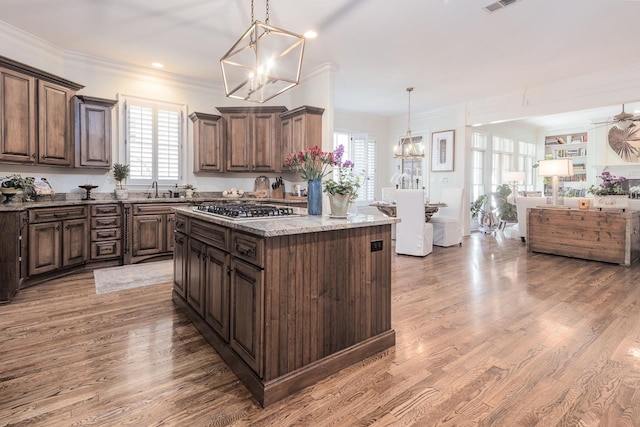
(115, 279)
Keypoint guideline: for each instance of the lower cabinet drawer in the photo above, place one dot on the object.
(106, 234)
(106, 221)
(107, 249)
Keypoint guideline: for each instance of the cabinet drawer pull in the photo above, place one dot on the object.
(107, 233)
(61, 214)
(245, 251)
(179, 224)
(106, 221)
(179, 240)
(106, 210)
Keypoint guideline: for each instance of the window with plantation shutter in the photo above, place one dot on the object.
(364, 158)
(153, 139)
(360, 148)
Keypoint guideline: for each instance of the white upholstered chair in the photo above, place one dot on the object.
(447, 223)
(414, 236)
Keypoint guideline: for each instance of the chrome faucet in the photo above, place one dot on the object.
(155, 185)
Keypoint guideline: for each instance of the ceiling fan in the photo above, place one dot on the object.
(621, 120)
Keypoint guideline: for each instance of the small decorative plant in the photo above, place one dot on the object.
(611, 185)
(188, 187)
(347, 183)
(120, 173)
(17, 181)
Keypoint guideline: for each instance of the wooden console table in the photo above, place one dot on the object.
(611, 235)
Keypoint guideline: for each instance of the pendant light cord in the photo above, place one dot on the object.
(409, 89)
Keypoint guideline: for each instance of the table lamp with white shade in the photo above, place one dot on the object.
(555, 169)
(514, 178)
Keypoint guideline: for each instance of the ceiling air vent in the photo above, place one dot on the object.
(498, 5)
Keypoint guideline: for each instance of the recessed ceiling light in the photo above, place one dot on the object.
(310, 34)
(157, 65)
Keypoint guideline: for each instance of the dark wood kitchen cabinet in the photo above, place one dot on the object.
(300, 129)
(35, 115)
(252, 138)
(217, 291)
(151, 231)
(179, 260)
(58, 238)
(292, 320)
(106, 231)
(13, 258)
(246, 313)
(54, 119)
(18, 117)
(196, 273)
(92, 131)
(208, 153)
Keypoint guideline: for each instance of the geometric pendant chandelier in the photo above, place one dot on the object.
(409, 147)
(263, 63)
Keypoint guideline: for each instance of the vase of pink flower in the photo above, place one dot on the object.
(313, 165)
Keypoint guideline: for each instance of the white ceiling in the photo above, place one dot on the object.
(451, 51)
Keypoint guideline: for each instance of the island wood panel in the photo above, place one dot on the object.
(326, 292)
(608, 236)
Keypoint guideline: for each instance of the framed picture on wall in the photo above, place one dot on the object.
(442, 151)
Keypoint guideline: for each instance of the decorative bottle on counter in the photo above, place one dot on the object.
(314, 197)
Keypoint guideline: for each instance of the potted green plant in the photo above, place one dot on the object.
(506, 210)
(482, 209)
(16, 184)
(188, 190)
(120, 173)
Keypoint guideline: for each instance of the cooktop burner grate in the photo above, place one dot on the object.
(247, 210)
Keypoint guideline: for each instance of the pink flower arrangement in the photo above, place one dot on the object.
(312, 163)
(611, 185)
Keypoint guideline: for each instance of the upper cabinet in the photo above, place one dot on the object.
(300, 128)
(252, 138)
(207, 137)
(35, 115)
(17, 112)
(92, 132)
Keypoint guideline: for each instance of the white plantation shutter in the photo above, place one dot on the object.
(168, 145)
(363, 148)
(154, 140)
(140, 140)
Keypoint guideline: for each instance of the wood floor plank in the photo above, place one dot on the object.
(486, 334)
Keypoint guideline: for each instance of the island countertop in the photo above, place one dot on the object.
(291, 225)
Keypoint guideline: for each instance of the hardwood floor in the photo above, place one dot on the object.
(487, 334)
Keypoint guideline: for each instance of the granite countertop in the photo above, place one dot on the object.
(292, 225)
(20, 206)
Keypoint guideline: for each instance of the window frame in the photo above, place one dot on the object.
(125, 101)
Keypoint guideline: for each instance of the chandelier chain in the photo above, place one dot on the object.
(267, 18)
(252, 11)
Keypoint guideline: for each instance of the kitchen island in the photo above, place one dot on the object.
(286, 301)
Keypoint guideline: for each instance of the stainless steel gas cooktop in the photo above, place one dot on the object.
(246, 211)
